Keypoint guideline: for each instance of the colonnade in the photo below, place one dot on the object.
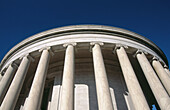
(156, 75)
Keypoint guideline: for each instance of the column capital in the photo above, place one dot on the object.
(13, 64)
(161, 62)
(93, 43)
(118, 46)
(155, 59)
(27, 56)
(67, 44)
(2, 72)
(139, 52)
(99, 43)
(48, 49)
(165, 66)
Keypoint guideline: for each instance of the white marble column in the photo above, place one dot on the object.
(165, 79)
(37, 88)
(102, 86)
(21, 107)
(12, 95)
(67, 93)
(157, 88)
(6, 80)
(131, 80)
(25, 102)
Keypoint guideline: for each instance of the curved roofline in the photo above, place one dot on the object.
(84, 28)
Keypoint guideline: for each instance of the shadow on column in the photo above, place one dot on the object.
(143, 83)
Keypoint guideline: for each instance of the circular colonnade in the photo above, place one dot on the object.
(85, 67)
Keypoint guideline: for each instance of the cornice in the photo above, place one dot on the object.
(85, 29)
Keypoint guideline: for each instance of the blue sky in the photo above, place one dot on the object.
(20, 19)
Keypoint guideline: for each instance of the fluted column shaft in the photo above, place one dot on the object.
(6, 80)
(67, 94)
(102, 86)
(37, 88)
(131, 80)
(12, 95)
(164, 77)
(155, 84)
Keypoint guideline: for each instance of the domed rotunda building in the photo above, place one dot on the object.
(85, 67)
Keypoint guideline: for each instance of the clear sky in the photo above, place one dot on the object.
(20, 19)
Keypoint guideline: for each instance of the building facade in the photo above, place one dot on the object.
(85, 67)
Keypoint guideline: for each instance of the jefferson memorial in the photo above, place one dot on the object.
(85, 67)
